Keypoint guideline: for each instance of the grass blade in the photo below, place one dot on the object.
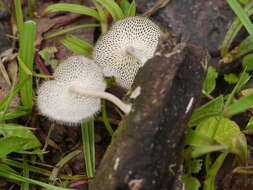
(26, 54)
(113, 8)
(25, 185)
(233, 31)
(89, 147)
(105, 119)
(70, 30)
(19, 15)
(239, 106)
(76, 45)
(80, 9)
(12, 176)
(242, 15)
(103, 17)
(132, 9)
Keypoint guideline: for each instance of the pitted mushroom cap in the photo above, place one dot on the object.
(126, 47)
(55, 100)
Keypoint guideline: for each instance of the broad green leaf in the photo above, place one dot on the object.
(210, 81)
(11, 144)
(209, 183)
(80, 9)
(76, 45)
(212, 108)
(15, 130)
(26, 54)
(191, 183)
(231, 78)
(132, 9)
(248, 62)
(227, 133)
(194, 138)
(239, 106)
(113, 8)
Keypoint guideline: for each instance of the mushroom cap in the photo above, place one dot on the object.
(126, 47)
(57, 102)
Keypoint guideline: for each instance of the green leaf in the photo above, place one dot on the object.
(247, 62)
(244, 77)
(5, 101)
(12, 176)
(19, 15)
(10, 144)
(113, 8)
(227, 133)
(89, 146)
(195, 165)
(132, 9)
(250, 124)
(209, 183)
(15, 130)
(64, 31)
(231, 78)
(125, 5)
(74, 8)
(190, 182)
(239, 106)
(201, 150)
(210, 80)
(244, 1)
(212, 108)
(14, 114)
(7, 168)
(76, 45)
(242, 15)
(103, 14)
(235, 27)
(26, 54)
(245, 46)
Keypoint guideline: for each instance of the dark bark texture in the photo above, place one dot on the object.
(146, 151)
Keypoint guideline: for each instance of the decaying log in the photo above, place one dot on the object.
(146, 151)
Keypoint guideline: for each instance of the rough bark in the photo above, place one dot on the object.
(146, 151)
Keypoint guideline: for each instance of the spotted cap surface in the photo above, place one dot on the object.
(126, 47)
(55, 100)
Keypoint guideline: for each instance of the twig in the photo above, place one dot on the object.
(160, 4)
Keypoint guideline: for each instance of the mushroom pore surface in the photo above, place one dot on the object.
(126, 47)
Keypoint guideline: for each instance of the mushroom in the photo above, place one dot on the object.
(126, 47)
(75, 93)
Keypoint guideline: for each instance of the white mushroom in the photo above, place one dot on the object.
(126, 47)
(75, 93)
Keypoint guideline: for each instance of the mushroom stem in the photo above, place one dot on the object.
(138, 54)
(126, 108)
